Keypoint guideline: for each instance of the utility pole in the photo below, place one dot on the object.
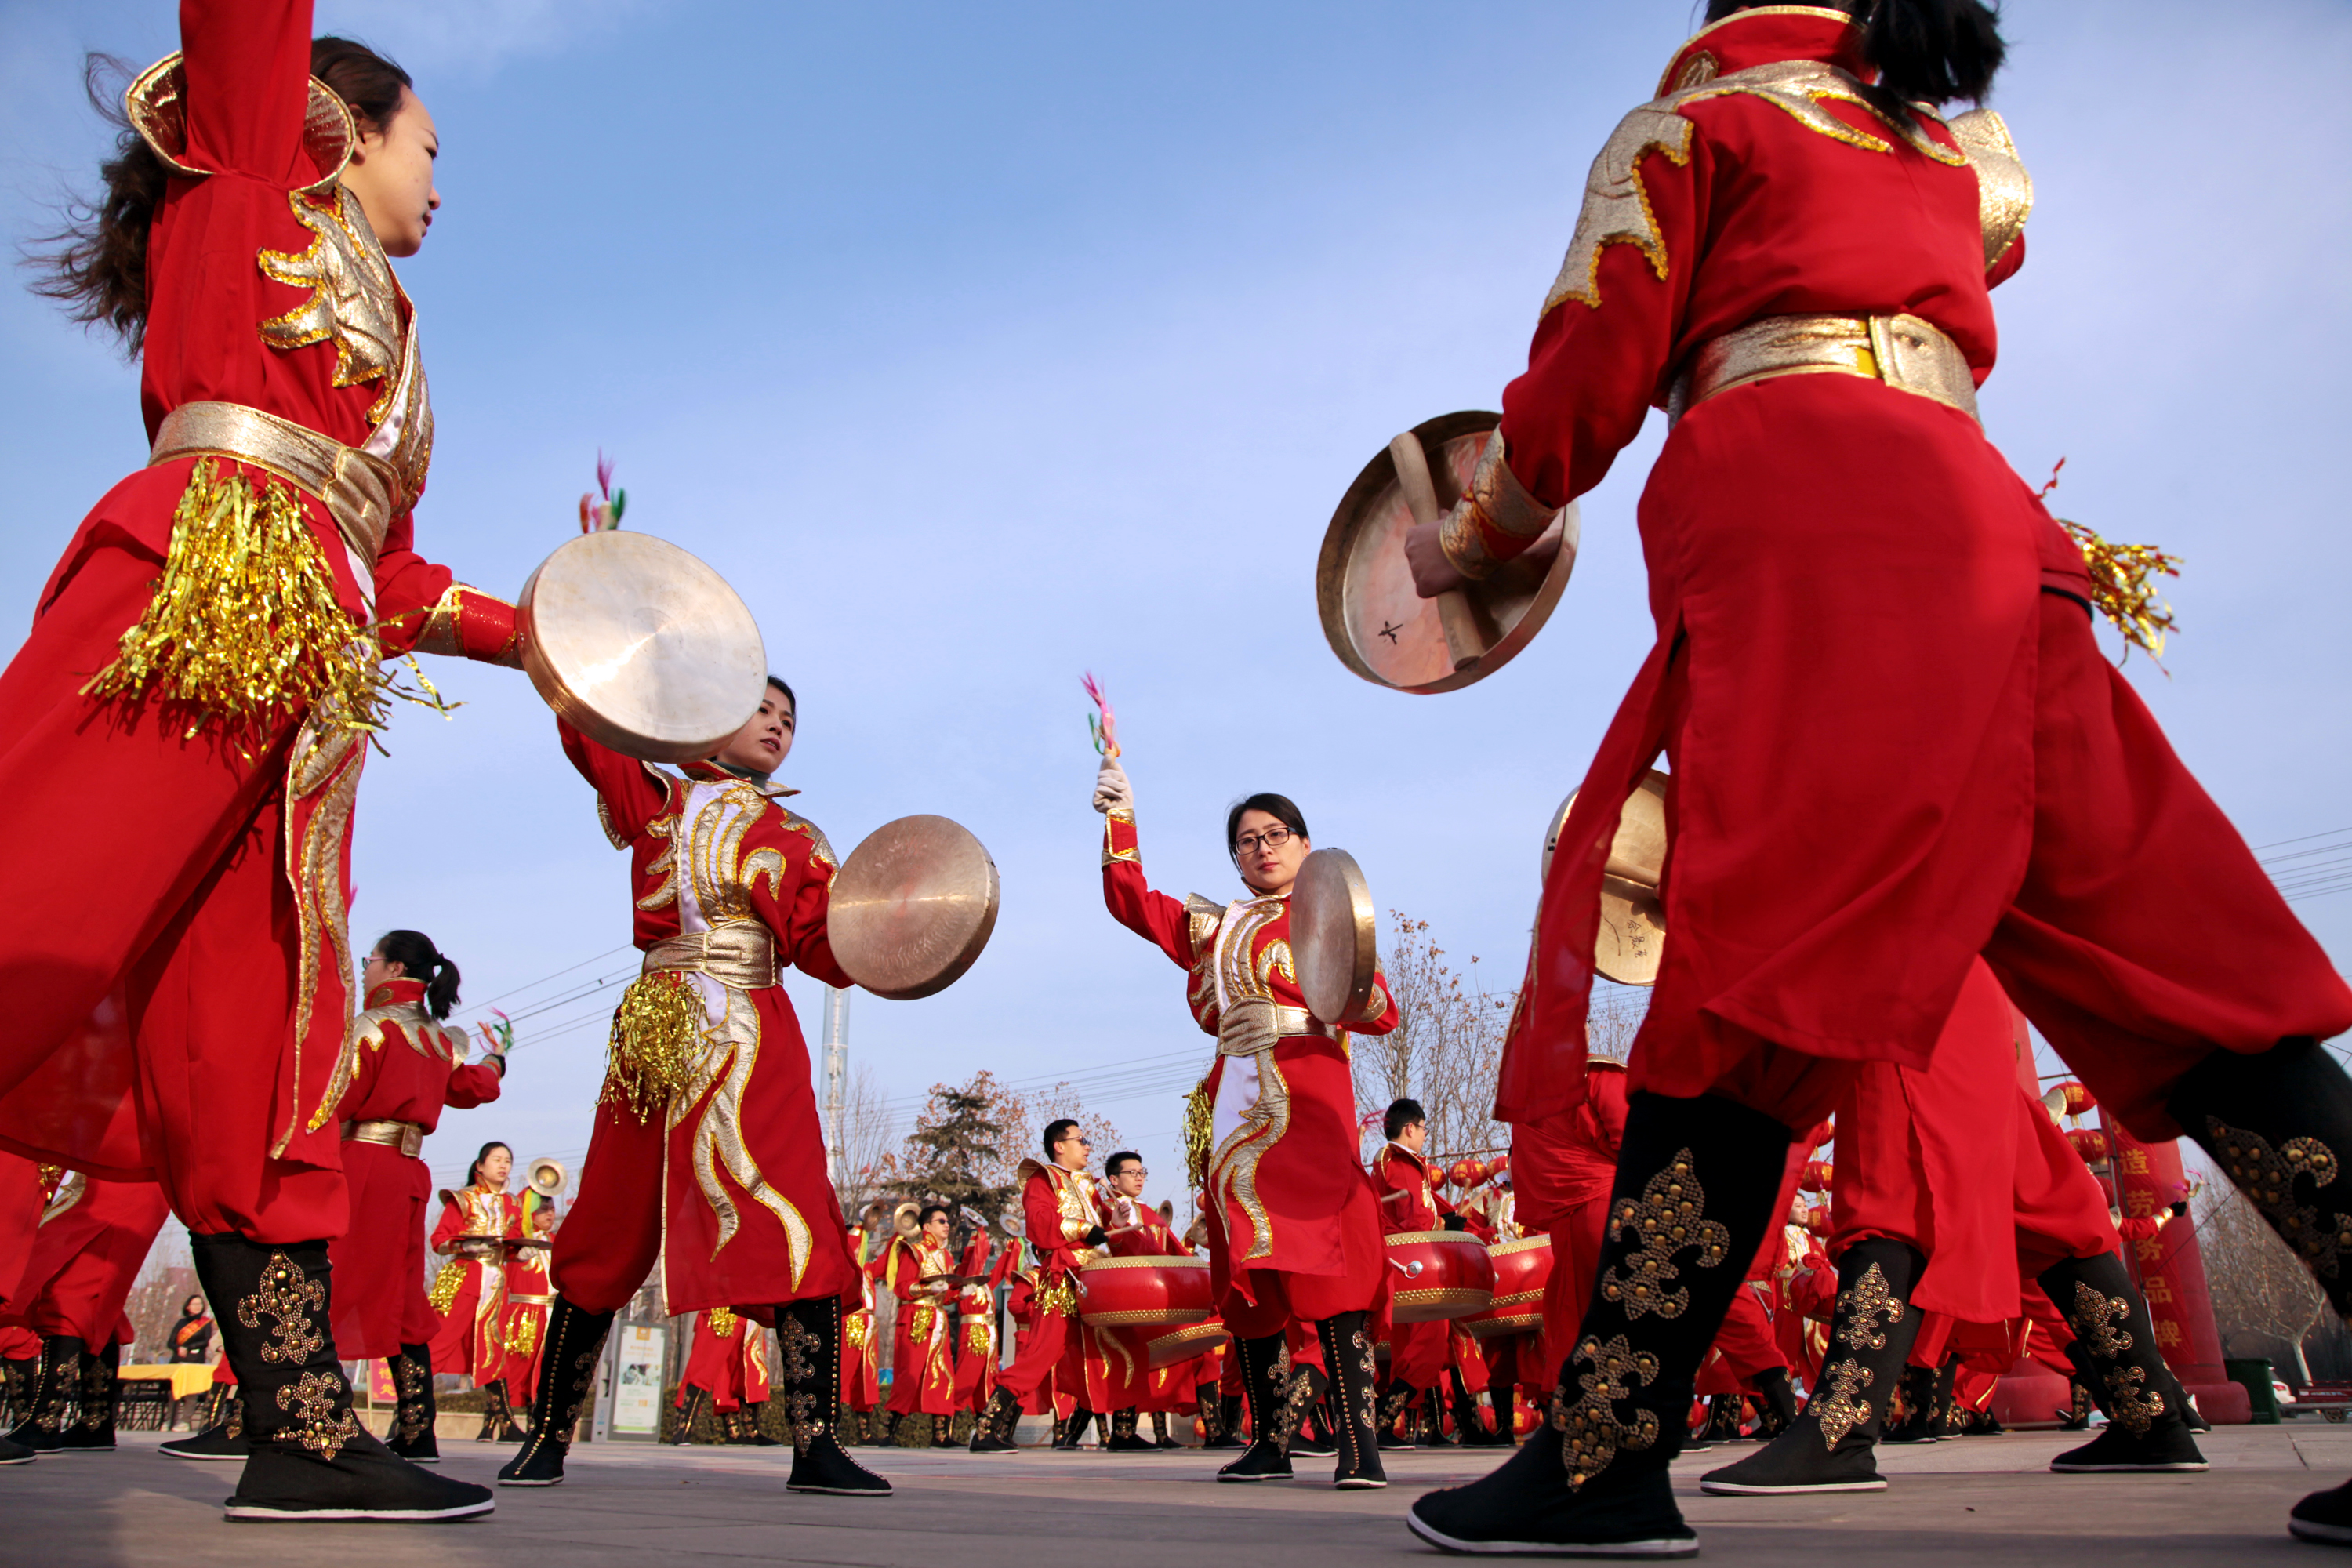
(836, 1076)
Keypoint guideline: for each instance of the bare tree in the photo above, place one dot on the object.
(2262, 1296)
(868, 1133)
(1445, 1048)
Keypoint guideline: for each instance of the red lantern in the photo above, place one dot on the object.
(2078, 1099)
(2090, 1143)
(1816, 1177)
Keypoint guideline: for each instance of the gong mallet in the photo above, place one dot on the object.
(1464, 642)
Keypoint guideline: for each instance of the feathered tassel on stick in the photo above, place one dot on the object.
(2120, 585)
(1103, 729)
(595, 516)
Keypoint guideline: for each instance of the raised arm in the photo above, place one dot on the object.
(1155, 917)
(249, 72)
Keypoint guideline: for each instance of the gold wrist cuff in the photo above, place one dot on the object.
(1464, 544)
(1507, 505)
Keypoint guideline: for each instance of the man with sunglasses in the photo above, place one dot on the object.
(1061, 1213)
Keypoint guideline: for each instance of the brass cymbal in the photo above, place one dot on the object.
(912, 906)
(1374, 619)
(1632, 936)
(1334, 935)
(641, 647)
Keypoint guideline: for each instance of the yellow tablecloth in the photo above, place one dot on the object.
(186, 1377)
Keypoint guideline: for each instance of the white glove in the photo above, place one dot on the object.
(1112, 792)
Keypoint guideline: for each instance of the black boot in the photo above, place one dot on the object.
(1468, 1430)
(1434, 1434)
(413, 1418)
(1356, 1422)
(56, 1382)
(1725, 1414)
(312, 1459)
(2115, 1346)
(1696, 1181)
(92, 1428)
(1159, 1437)
(753, 1436)
(1506, 1414)
(223, 1436)
(494, 1410)
(1072, 1435)
(2076, 1416)
(1776, 1404)
(1827, 1448)
(1305, 1417)
(992, 1433)
(1394, 1408)
(1922, 1420)
(1266, 1385)
(507, 1432)
(682, 1432)
(808, 1335)
(567, 1371)
(1124, 1436)
(1221, 1418)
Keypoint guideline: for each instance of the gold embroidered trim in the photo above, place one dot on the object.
(410, 1384)
(1592, 1433)
(287, 1296)
(316, 1422)
(2004, 190)
(2131, 1405)
(353, 297)
(2267, 1177)
(1670, 1217)
(1840, 1411)
(2099, 1318)
(1861, 1304)
(800, 1345)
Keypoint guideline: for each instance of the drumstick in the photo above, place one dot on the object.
(1392, 1197)
(1464, 642)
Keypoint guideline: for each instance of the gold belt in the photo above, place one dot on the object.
(1252, 1025)
(358, 489)
(739, 954)
(1904, 352)
(407, 1137)
(547, 1300)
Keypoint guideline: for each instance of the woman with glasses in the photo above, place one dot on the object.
(1294, 1224)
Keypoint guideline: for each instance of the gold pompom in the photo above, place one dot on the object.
(2121, 589)
(446, 1285)
(1200, 1122)
(658, 1034)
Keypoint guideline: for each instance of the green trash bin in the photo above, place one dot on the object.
(2255, 1377)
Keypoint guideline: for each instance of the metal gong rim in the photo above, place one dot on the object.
(641, 645)
(1373, 619)
(1334, 935)
(912, 906)
(1631, 944)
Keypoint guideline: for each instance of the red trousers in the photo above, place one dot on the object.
(379, 1298)
(171, 988)
(1053, 1344)
(1745, 1346)
(1417, 1354)
(86, 1258)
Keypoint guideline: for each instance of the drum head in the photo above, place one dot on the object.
(1632, 938)
(912, 906)
(1375, 622)
(641, 647)
(1334, 935)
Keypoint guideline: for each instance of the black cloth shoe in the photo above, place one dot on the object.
(1726, 1413)
(312, 1459)
(747, 1433)
(412, 1436)
(1829, 1448)
(1221, 1414)
(992, 1433)
(49, 1407)
(682, 1432)
(1434, 1434)
(1507, 1416)
(1306, 1416)
(1468, 1430)
(2325, 1517)
(1159, 1437)
(2076, 1416)
(1922, 1420)
(1074, 1426)
(502, 1422)
(1356, 1424)
(567, 1371)
(1124, 1436)
(810, 1338)
(91, 1431)
(2115, 1346)
(1776, 1404)
(1395, 1437)
(1695, 1191)
(1265, 1382)
(223, 1435)
(15, 1453)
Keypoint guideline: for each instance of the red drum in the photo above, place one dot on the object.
(1439, 1274)
(1521, 1269)
(1182, 1344)
(1143, 1292)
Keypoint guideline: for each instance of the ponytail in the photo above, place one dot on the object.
(420, 960)
(1926, 51)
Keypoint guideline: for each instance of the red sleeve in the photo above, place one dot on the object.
(631, 793)
(366, 1066)
(1043, 1218)
(1155, 917)
(471, 1084)
(1380, 1015)
(452, 1225)
(249, 71)
(1605, 1092)
(1602, 349)
(2006, 268)
(421, 607)
(800, 929)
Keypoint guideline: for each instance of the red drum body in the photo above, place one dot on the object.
(1439, 1274)
(1168, 1348)
(1521, 1269)
(1143, 1292)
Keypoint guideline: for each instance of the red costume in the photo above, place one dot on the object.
(729, 1359)
(861, 1347)
(93, 1239)
(1564, 1165)
(1895, 743)
(399, 1068)
(922, 1348)
(707, 1152)
(212, 976)
(1294, 1224)
(528, 1297)
(1058, 1211)
(475, 1234)
(1418, 1353)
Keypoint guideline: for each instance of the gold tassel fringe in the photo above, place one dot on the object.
(523, 1338)
(245, 628)
(446, 1285)
(1200, 1120)
(2121, 589)
(656, 1043)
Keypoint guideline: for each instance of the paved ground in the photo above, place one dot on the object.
(1979, 1499)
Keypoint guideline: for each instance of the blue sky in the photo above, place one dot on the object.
(981, 346)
